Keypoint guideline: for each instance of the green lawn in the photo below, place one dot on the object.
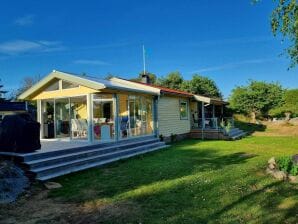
(190, 182)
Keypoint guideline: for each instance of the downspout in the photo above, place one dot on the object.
(156, 126)
(203, 120)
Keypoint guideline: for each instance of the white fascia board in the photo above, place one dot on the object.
(202, 98)
(137, 86)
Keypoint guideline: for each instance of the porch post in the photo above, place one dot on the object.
(213, 111)
(222, 110)
(203, 116)
(116, 116)
(40, 117)
(155, 116)
(90, 116)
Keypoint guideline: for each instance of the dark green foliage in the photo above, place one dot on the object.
(173, 80)
(257, 98)
(197, 85)
(201, 85)
(285, 163)
(289, 105)
(284, 21)
(294, 170)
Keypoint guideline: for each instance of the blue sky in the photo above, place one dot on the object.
(229, 41)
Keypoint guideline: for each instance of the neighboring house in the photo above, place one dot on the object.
(84, 107)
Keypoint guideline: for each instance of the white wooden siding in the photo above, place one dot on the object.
(169, 116)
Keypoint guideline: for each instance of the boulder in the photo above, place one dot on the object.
(293, 179)
(269, 171)
(52, 185)
(280, 175)
(272, 161)
(13, 182)
(271, 166)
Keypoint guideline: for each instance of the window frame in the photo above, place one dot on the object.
(187, 109)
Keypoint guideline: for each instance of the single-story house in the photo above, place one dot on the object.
(84, 107)
(88, 122)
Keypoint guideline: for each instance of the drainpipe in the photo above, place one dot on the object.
(155, 115)
(203, 120)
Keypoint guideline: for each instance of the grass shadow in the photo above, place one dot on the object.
(178, 161)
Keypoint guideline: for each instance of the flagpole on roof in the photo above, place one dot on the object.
(144, 60)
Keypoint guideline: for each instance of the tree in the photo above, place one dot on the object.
(173, 80)
(289, 106)
(201, 85)
(284, 21)
(2, 93)
(26, 83)
(152, 77)
(257, 98)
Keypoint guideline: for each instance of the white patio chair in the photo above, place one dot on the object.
(84, 127)
(75, 128)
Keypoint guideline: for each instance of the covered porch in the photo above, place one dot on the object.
(209, 114)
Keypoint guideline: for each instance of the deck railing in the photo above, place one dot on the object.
(213, 123)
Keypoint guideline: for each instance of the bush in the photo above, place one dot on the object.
(294, 170)
(286, 164)
(173, 138)
(161, 138)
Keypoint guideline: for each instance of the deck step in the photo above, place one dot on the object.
(41, 155)
(51, 160)
(237, 134)
(46, 165)
(129, 153)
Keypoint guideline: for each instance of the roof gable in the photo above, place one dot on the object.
(87, 81)
(63, 76)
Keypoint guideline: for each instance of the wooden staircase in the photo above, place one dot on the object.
(236, 133)
(217, 134)
(47, 165)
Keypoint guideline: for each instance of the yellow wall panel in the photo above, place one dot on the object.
(81, 90)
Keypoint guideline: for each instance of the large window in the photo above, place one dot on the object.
(183, 110)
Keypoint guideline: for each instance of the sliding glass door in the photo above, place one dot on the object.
(62, 117)
(65, 118)
(103, 117)
(135, 116)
